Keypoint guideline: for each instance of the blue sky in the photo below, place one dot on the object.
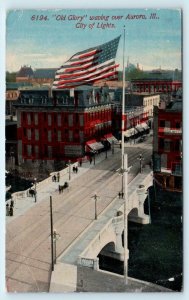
(150, 42)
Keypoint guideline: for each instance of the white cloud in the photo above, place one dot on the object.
(35, 60)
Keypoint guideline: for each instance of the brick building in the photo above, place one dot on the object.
(62, 124)
(167, 145)
(25, 74)
(155, 85)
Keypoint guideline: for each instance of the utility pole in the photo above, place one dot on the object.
(35, 181)
(125, 197)
(69, 169)
(95, 199)
(94, 156)
(112, 147)
(123, 109)
(140, 161)
(52, 235)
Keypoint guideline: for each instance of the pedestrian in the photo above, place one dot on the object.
(59, 188)
(54, 178)
(122, 194)
(11, 211)
(80, 163)
(7, 209)
(76, 169)
(12, 203)
(58, 176)
(119, 195)
(90, 160)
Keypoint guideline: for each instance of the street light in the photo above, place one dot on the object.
(69, 169)
(149, 208)
(35, 182)
(106, 148)
(56, 236)
(94, 151)
(95, 198)
(140, 158)
(113, 147)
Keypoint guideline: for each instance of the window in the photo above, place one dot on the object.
(29, 118)
(177, 145)
(49, 136)
(70, 120)
(70, 135)
(49, 120)
(37, 151)
(161, 143)
(81, 121)
(167, 145)
(76, 118)
(177, 125)
(162, 123)
(24, 132)
(59, 120)
(59, 136)
(29, 148)
(36, 118)
(44, 116)
(49, 151)
(36, 134)
(29, 134)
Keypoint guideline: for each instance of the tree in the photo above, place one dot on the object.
(10, 77)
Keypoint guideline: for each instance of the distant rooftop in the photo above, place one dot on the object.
(25, 71)
(175, 105)
(45, 73)
(17, 85)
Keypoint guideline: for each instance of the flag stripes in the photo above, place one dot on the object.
(88, 66)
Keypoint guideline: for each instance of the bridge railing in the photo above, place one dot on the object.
(43, 183)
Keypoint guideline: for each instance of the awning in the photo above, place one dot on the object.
(110, 138)
(139, 128)
(127, 133)
(130, 132)
(145, 126)
(94, 145)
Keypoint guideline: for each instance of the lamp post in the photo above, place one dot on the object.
(149, 208)
(106, 149)
(69, 169)
(95, 199)
(94, 151)
(124, 173)
(35, 182)
(56, 236)
(140, 158)
(113, 147)
(51, 224)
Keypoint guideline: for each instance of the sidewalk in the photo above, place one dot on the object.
(46, 188)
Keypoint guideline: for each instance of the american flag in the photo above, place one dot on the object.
(88, 66)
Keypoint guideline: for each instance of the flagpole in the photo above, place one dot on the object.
(123, 109)
(124, 173)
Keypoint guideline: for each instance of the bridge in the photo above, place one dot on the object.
(102, 236)
(82, 237)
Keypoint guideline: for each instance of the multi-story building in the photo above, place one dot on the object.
(167, 145)
(44, 76)
(62, 124)
(135, 121)
(141, 101)
(155, 85)
(25, 74)
(12, 94)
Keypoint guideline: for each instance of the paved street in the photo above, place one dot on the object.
(28, 255)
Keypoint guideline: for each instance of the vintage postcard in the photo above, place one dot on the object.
(94, 196)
